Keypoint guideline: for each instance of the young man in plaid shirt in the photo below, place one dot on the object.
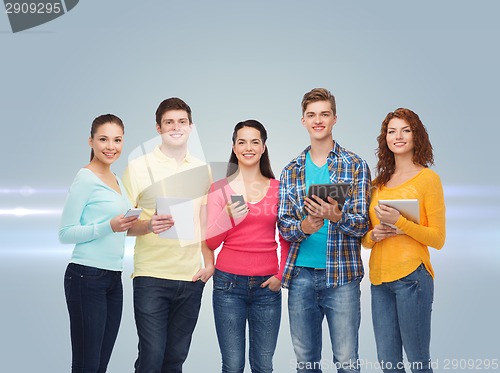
(324, 268)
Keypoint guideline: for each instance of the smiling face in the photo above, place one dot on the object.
(399, 137)
(107, 143)
(174, 128)
(248, 146)
(318, 119)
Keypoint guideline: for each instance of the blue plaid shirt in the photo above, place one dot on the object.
(343, 262)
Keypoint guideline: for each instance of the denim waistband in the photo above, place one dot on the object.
(242, 277)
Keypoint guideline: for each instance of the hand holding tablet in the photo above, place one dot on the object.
(409, 208)
(337, 191)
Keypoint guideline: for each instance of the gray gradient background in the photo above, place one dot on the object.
(234, 60)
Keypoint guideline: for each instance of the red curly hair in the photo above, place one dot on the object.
(422, 146)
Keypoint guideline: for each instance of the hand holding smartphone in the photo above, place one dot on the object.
(241, 208)
(133, 212)
(118, 224)
(238, 198)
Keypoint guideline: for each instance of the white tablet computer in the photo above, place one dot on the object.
(182, 212)
(409, 208)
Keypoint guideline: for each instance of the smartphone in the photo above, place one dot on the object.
(238, 198)
(133, 212)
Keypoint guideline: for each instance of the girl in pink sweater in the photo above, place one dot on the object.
(247, 279)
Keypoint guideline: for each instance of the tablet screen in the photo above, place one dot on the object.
(338, 191)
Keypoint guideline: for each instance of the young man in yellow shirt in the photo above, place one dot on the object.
(168, 278)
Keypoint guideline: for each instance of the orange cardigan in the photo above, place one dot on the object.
(398, 256)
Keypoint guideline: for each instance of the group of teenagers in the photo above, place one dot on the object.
(279, 237)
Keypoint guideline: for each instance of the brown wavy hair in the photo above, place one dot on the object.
(422, 146)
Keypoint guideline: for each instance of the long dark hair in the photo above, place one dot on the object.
(99, 121)
(422, 153)
(265, 163)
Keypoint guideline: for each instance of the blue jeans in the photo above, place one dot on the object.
(166, 312)
(309, 301)
(95, 301)
(237, 299)
(401, 313)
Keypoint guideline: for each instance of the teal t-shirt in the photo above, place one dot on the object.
(312, 250)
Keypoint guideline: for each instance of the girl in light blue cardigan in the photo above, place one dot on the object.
(93, 219)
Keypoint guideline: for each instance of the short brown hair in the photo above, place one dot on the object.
(319, 94)
(172, 103)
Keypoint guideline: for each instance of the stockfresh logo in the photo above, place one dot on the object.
(24, 15)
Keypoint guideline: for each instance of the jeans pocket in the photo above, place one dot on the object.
(405, 283)
(272, 291)
(85, 272)
(296, 271)
(221, 284)
(200, 283)
(410, 281)
(67, 286)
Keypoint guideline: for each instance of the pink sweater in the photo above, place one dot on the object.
(249, 243)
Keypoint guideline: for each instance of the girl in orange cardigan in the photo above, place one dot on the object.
(400, 269)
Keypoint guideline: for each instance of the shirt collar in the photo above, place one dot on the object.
(301, 159)
(162, 157)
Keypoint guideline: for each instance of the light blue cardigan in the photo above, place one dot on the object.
(89, 207)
